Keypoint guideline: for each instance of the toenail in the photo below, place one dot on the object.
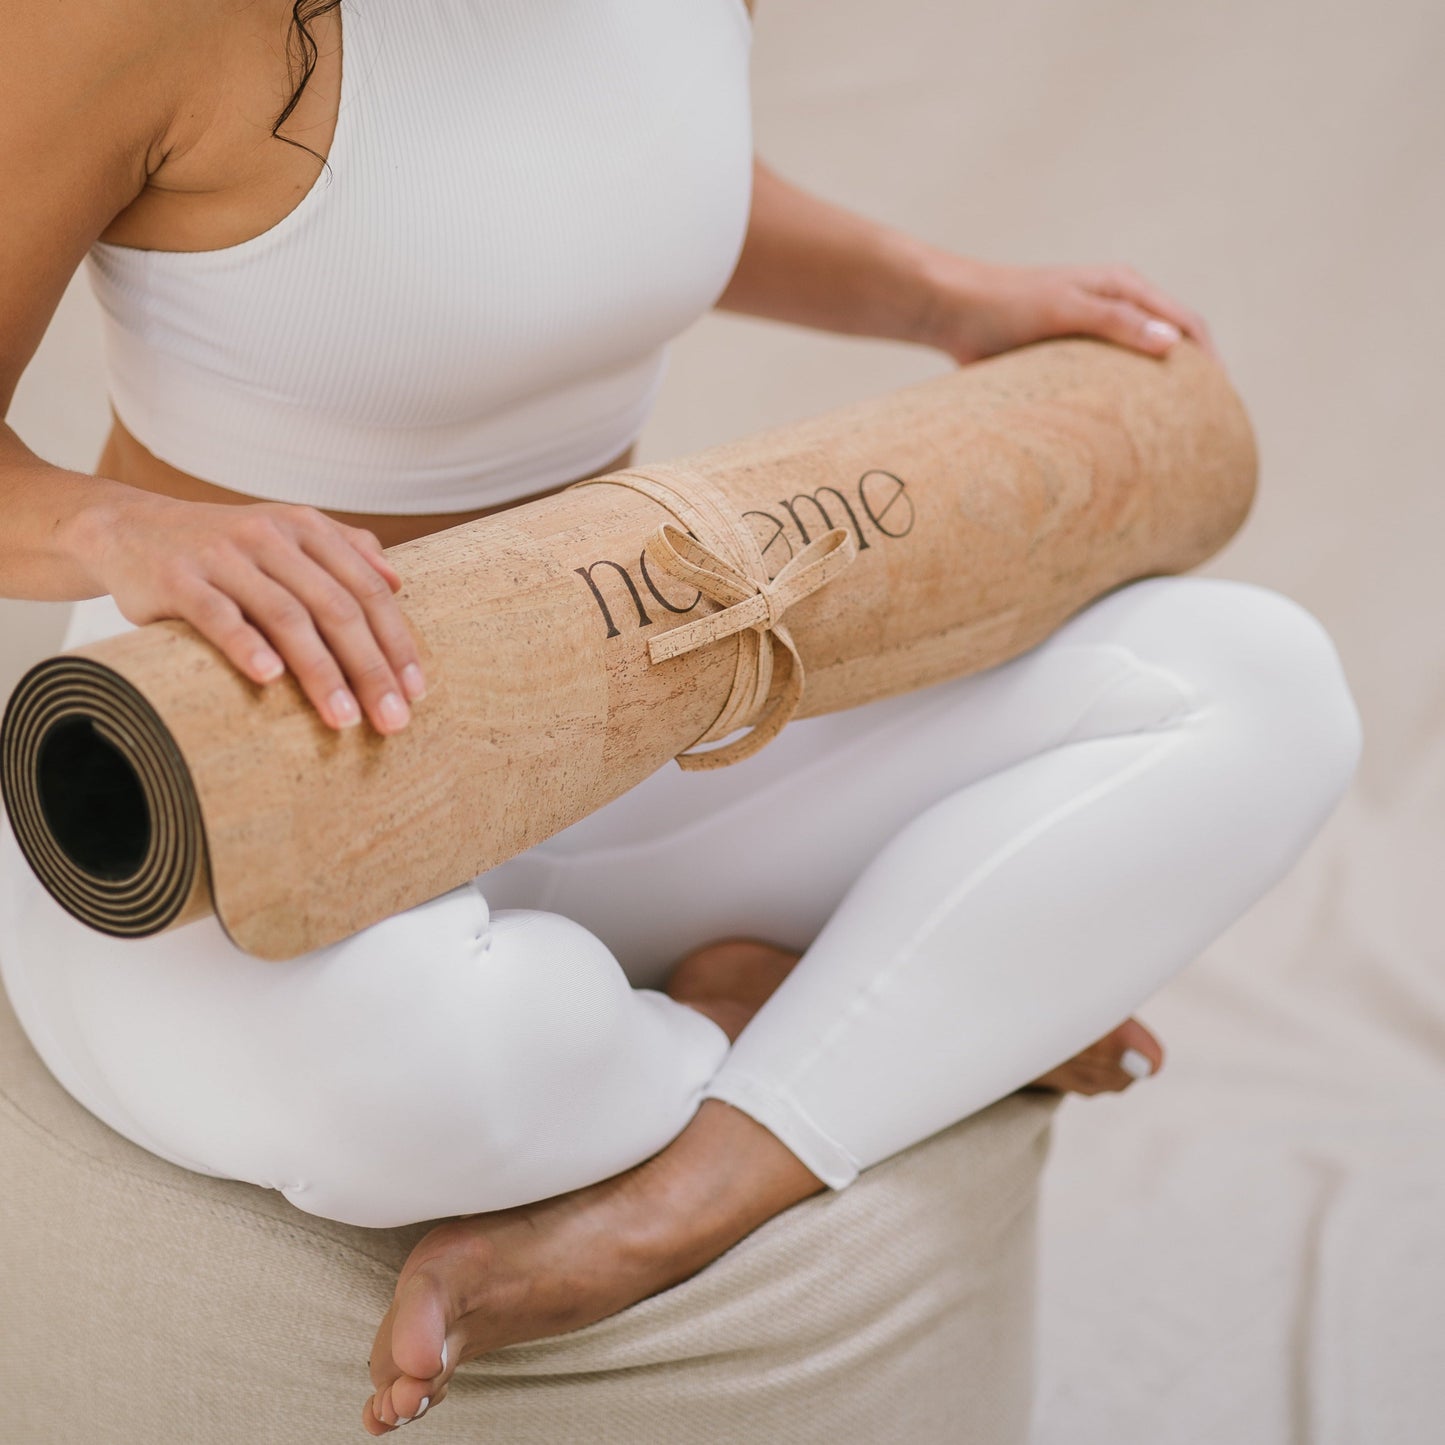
(421, 1409)
(1135, 1064)
(444, 1358)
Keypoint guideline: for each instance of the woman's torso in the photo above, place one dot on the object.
(526, 202)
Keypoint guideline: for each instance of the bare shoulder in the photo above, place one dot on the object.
(125, 61)
(90, 94)
(101, 37)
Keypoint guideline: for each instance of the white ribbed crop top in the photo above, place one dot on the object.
(527, 200)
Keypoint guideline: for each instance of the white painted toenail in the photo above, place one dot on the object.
(444, 1359)
(421, 1409)
(1135, 1064)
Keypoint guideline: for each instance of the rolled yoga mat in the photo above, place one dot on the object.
(575, 644)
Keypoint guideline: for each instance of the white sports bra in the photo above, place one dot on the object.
(526, 200)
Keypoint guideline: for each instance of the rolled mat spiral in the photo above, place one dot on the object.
(574, 644)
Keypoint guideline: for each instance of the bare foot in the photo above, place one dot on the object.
(474, 1284)
(730, 980)
(1110, 1064)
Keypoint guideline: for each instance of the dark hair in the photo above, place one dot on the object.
(301, 51)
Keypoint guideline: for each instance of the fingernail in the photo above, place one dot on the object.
(421, 1409)
(1135, 1064)
(1157, 330)
(266, 665)
(413, 681)
(344, 710)
(393, 711)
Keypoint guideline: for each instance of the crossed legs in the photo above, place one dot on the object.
(981, 879)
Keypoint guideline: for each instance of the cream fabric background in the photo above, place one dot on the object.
(1249, 1247)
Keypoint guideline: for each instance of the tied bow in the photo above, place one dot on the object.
(753, 607)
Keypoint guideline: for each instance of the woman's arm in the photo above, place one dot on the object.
(815, 264)
(92, 99)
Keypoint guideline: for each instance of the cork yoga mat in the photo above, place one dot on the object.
(575, 644)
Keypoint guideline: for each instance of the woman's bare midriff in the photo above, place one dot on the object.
(124, 459)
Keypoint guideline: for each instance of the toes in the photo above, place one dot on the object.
(409, 1399)
(1125, 1054)
(382, 1367)
(1135, 1065)
(370, 1422)
(383, 1409)
(411, 1358)
(400, 1404)
(384, 1371)
(1109, 1065)
(419, 1328)
(399, 1397)
(424, 1357)
(1132, 1037)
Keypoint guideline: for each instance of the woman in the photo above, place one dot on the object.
(467, 307)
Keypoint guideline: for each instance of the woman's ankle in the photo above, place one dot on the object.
(721, 1178)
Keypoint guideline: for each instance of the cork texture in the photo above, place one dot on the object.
(986, 506)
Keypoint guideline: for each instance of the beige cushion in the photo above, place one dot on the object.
(147, 1304)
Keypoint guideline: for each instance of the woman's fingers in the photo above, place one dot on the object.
(1123, 322)
(220, 621)
(352, 621)
(1123, 283)
(274, 586)
(361, 575)
(279, 610)
(984, 309)
(325, 634)
(369, 545)
(326, 608)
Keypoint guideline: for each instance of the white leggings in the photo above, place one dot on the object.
(985, 876)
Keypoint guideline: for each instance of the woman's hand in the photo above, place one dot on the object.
(811, 263)
(272, 586)
(978, 309)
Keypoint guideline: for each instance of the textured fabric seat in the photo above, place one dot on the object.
(143, 1303)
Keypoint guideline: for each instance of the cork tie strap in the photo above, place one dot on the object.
(720, 557)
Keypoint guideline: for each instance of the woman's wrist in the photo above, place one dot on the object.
(88, 534)
(60, 525)
(951, 288)
(913, 284)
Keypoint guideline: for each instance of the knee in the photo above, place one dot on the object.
(525, 1002)
(1300, 682)
(436, 1055)
(518, 1064)
(1274, 674)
